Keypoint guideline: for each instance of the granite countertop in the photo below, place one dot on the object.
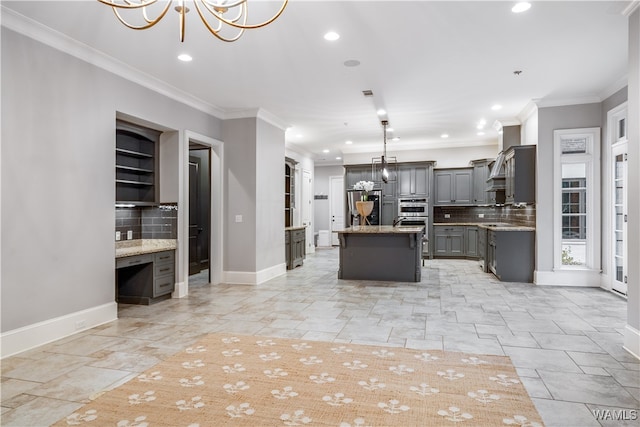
(144, 246)
(383, 229)
(497, 226)
(295, 227)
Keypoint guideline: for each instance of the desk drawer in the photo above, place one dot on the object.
(163, 285)
(130, 261)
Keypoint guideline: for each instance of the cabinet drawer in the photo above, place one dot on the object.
(163, 269)
(163, 285)
(448, 229)
(133, 260)
(297, 235)
(166, 256)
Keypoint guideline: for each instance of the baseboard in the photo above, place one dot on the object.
(254, 278)
(632, 341)
(31, 336)
(181, 290)
(578, 278)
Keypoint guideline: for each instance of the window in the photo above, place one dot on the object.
(577, 235)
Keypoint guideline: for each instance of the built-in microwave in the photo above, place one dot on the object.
(413, 207)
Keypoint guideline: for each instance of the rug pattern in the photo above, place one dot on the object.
(239, 380)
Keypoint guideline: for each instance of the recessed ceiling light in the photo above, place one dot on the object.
(521, 7)
(389, 129)
(348, 142)
(480, 133)
(325, 151)
(496, 107)
(331, 36)
(338, 158)
(184, 57)
(381, 112)
(444, 135)
(395, 138)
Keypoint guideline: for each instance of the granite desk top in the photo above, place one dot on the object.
(296, 227)
(144, 246)
(382, 229)
(497, 226)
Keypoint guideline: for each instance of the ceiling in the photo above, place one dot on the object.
(435, 67)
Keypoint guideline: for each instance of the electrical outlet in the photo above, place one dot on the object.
(447, 215)
(118, 236)
(480, 215)
(129, 235)
(238, 218)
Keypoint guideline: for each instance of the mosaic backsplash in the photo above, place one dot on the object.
(152, 222)
(525, 216)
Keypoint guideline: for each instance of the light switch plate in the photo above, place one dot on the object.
(447, 215)
(238, 218)
(118, 236)
(129, 235)
(480, 215)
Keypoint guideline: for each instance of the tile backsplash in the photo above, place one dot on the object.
(525, 216)
(152, 222)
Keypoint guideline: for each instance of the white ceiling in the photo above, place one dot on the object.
(436, 67)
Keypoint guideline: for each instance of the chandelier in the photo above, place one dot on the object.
(384, 161)
(216, 15)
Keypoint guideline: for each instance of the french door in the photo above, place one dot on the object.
(619, 216)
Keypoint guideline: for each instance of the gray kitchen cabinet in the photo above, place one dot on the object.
(414, 179)
(511, 255)
(355, 173)
(389, 210)
(520, 174)
(295, 242)
(448, 240)
(482, 197)
(453, 186)
(145, 278)
(471, 242)
(136, 164)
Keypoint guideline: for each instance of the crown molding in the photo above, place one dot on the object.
(544, 103)
(55, 39)
(257, 113)
(614, 87)
(527, 111)
(631, 7)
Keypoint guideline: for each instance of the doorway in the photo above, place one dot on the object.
(617, 124)
(199, 213)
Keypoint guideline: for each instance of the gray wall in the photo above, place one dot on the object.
(240, 194)
(321, 185)
(58, 141)
(270, 196)
(633, 304)
(550, 119)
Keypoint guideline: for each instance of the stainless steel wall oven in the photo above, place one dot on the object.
(415, 211)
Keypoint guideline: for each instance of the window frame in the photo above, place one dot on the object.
(591, 160)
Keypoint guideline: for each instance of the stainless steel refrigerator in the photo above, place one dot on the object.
(353, 217)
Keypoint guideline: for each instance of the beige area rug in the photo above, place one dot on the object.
(259, 381)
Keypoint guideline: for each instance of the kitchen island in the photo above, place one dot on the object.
(381, 252)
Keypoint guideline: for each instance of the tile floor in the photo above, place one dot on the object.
(565, 342)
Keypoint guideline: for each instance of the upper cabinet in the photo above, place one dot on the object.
(480, 175)
(520, 174)
(357, 173)
(136, 164)
(289, 191)
(414, 179)
(453, 186)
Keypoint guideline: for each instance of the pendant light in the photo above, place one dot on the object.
(385, 170)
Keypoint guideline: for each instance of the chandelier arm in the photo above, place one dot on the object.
(129, 5)
(253, 26)
(242, 12)
(150, 23)
(215, 31)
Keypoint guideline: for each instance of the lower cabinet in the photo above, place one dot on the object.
(511, 255)
(448, 241)
(295, 243)
(455, 241)
(146, 278)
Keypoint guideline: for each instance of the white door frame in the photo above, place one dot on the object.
(216, 241)
(332, 237)
(306, 211)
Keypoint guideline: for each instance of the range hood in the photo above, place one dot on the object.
(496, 180)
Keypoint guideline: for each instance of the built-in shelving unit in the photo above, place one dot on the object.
(136, 164)
(289, 191)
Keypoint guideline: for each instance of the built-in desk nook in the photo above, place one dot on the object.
(145, 270)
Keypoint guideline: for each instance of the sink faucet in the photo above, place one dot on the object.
(397, 221)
